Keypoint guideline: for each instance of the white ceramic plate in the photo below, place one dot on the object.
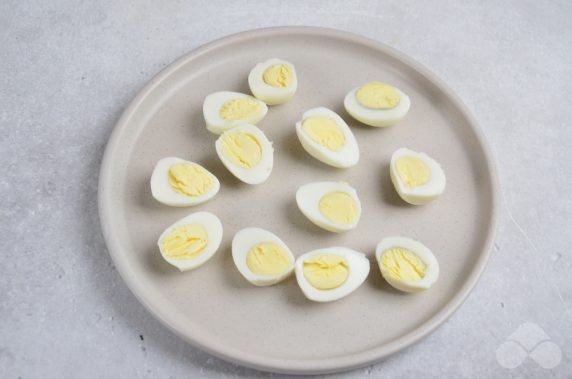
(276, 328)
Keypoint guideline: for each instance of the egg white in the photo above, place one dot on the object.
(422, 194)
(213, 227)
(349, 154)
(358, 266)
(417, 248)
(253, 175)
(377, 117)
(211, 109)
(269, 94)
(308, 199)
(245, 240)
(163, 192)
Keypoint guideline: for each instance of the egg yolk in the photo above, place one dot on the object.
(325, 131)
(377, 95)
(402, 264)
(185, 242)
(189, 179)
(239, 109)
(278, 75)
(267, 259)
(326, 272)
(242, 148)
(339, 207)
(412, 171)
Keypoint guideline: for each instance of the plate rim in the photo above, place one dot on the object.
(298, 366)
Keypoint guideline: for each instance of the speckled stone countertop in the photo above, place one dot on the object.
(69, 68)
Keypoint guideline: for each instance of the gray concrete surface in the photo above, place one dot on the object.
(69, 68)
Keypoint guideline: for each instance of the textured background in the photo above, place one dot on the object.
(68, 69)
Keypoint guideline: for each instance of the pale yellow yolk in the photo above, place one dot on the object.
(267, 259)
(190, 179)
(243, 149)
(239, 109)
(339, 207)
(412, 171)
(325, 131)
(278, 75)
(185, 242)
(326, 272)
(402, 264)
(377, 95)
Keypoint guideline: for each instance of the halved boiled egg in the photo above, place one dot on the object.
(261, 257)
(180, 183)
(224, 110)
(417, 178)
(377, 104)
(273, 81)
(191, 241)
(246, 153)
(327, 137)
(333, 206)
(331, 273)
(406, 264)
